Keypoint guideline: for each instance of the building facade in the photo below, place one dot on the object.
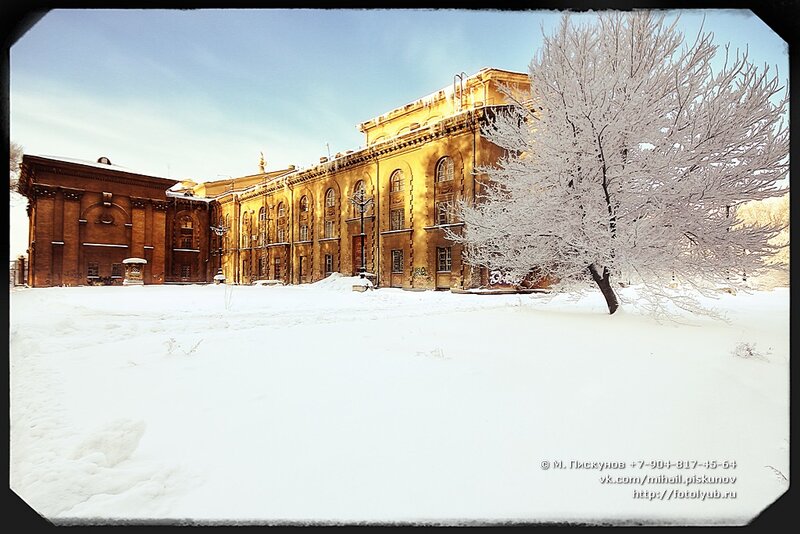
(295, 226)
(85, 218)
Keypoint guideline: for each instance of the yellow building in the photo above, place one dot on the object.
(298, 226)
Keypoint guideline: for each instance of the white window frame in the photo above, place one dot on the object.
(397, 257)
(444, 254)
(397, 222)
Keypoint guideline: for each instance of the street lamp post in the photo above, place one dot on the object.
(361, 202)
(220, 231)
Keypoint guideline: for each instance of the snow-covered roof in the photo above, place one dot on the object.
(175, 194)
(445, 93)
(134, 260)
(112, 166)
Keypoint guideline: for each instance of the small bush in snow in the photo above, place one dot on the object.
(748, 351)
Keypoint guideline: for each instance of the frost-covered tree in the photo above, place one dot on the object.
(631, 155)
(15, 157)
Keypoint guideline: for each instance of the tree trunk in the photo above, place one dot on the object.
(605, 287)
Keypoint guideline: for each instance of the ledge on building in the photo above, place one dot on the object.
(400, 231)
(104, 245)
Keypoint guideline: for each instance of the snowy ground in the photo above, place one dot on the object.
(320, 403)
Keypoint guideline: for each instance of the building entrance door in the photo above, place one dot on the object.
(357, 254)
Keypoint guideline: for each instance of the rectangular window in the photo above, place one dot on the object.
(444, 259)
(116, 270)
(328, 263)
(186, 271)
(303, 233)
(94, 270)
(444, 212)
(396, 222)
(328, 229)
(186, 241)
(262, 266)
(397, 261)
(277, 268)
(281, 235)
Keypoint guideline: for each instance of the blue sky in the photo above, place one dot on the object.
(198, 94)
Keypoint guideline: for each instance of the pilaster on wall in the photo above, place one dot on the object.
(43, 236)
(139, 228)
(157, 269)
(71, 238)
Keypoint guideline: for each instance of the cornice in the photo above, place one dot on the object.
(446, 127)
(38, 164)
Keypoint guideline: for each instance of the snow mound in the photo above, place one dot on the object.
(111, 444)
(339, 282)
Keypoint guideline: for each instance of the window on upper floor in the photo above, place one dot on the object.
(396, 181)
(444, 169)
(186, 232)
(396, 219)
(444, 212)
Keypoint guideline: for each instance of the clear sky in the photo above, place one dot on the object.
(199, 93)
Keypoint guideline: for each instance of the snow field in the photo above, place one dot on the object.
(307, 402)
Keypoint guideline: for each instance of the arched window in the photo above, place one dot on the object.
(187, 232)
(304, 203)
(444, 169)
(262, 226)
(330, 198)
(281, 210)
(246, 225)
(396, 181)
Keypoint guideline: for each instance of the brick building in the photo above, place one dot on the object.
(86, 217)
